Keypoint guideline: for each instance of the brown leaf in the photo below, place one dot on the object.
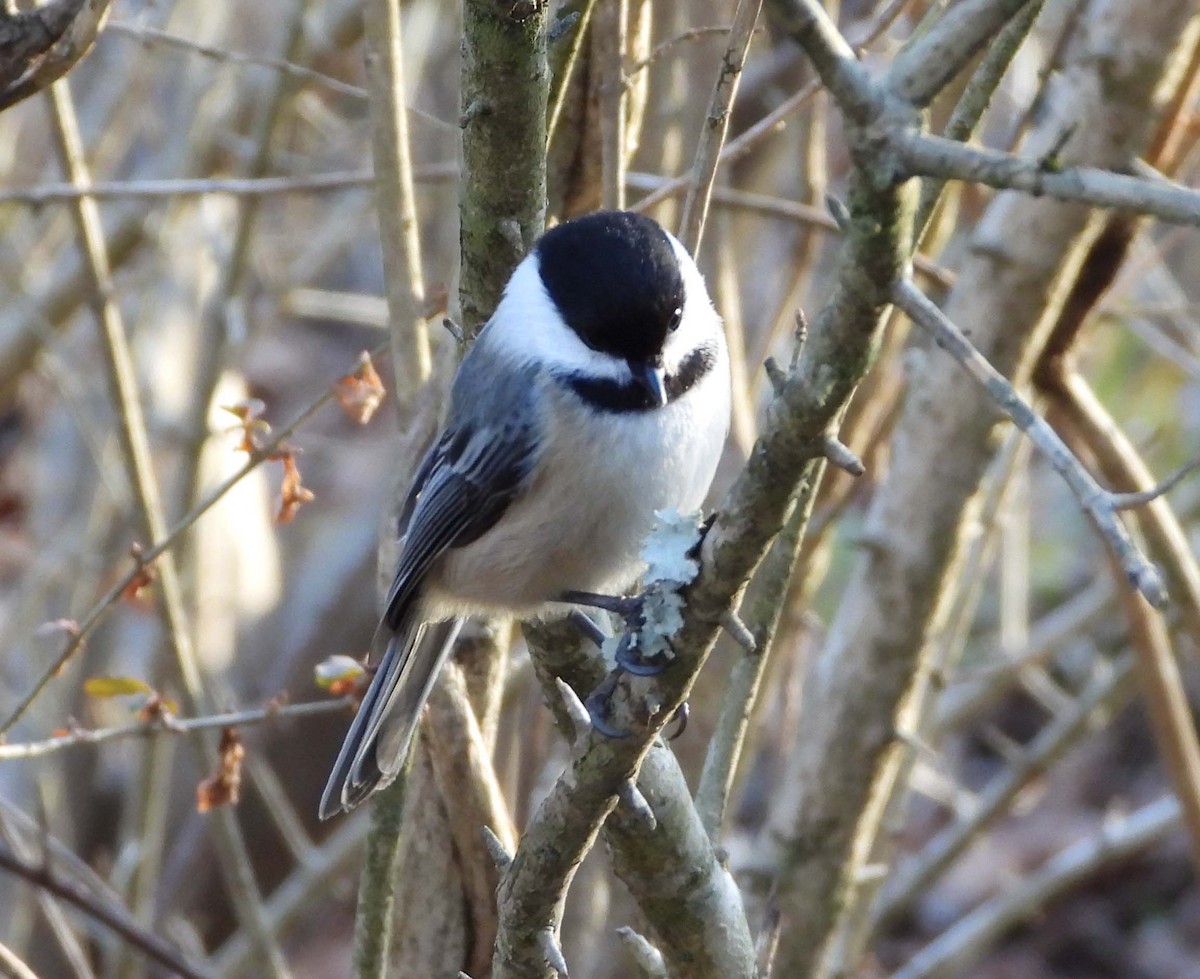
(224, 786)
(292, 493)
(360, 394)
(250, 423)
(141, 580)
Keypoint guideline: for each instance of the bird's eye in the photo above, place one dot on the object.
(676, 319)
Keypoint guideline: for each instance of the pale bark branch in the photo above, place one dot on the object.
(1100, 505)
(716, 124)
(169, 725)
(930, 63)
(933, 156)
(952, 953)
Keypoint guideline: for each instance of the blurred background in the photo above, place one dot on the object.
(255, 276)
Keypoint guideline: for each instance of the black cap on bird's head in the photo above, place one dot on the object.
(615, 279)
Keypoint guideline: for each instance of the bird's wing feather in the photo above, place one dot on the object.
(462, 488)
(472, 480)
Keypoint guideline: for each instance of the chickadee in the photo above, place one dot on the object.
(598, 393)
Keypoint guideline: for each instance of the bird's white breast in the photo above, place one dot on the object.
(591, 501)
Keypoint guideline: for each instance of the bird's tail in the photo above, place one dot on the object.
(379, 736)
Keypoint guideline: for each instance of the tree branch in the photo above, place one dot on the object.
(930, 63)
(111, 916)
(933, 156)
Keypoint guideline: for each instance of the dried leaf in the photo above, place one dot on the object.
(224, 786)
(292, 493)
(116, 686)
(250, 423)
(360, 394)
(141, 580)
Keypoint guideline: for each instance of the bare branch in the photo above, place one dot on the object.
(396, 208)
(234, 187)
(1096, 502)
(110, 598)
(1107, 690)
(231, 847)
(716, 124)
(809, 26)
(932, 156)
(953, 952)
(111, 916)
(930, 63)
(167, 724)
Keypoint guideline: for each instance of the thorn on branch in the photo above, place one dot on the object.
(775, 374)
(581, 720)
(800, 336)
(737, 631)
(1050, 161)
(838, 211)
(840, 455)
(510, 231)
(683, 714)
(496, 850)
(632, 799)
(554, 957)
(648, 959)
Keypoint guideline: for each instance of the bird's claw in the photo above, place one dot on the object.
(680, 720)
(630, 659)
(599, 708)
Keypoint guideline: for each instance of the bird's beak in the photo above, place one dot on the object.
(652, 379)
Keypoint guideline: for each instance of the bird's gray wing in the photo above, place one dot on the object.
(471, 476)
(462, 488)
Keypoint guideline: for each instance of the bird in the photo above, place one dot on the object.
(597, 394)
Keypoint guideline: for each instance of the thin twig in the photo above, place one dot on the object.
(12, 966)
(231, 847)
(741, 692)
(169, 539)
(954, 951)
(735, 148)
(716, 124)
(976, 97)
(1131, 501)
(1107, 690)
(396, 204)
(933, 156)
(148, 35)
(664, 47)
(930, 63)
(293, 899)
(1096, 502)
(233, 187)
(564, 64)
(167, 724)
(612, 26)
(785, 210)
(111, 916)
